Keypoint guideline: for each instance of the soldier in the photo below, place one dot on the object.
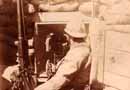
(73, 70)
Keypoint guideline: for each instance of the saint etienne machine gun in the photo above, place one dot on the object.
(25, 80)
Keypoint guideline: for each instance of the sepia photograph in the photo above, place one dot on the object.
(64, 44)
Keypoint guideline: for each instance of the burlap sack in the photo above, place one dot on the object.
(58, 1)
(70, 5)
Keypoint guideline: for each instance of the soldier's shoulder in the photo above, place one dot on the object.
(79, 50)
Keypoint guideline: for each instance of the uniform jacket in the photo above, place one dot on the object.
(73, 70)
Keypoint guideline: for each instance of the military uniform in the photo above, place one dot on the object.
(73, 70)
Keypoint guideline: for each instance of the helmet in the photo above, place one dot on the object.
(76, 29)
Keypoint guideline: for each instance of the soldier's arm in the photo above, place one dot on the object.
(66, 72)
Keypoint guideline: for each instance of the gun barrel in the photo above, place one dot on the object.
(26, 80)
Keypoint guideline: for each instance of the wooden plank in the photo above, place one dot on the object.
(117, 54)
(62, 16)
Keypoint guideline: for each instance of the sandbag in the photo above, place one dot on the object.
(117, 13)
(58, 1)
(87, 8)
(70, 5)
(109, 2)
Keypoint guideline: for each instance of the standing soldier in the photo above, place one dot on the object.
(73, 71)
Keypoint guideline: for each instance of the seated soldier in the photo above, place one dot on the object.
(73, 71)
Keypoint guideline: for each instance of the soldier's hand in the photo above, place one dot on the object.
(10, 72)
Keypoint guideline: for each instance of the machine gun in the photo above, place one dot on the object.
(24, 81)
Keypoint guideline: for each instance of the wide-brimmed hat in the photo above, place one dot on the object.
(76, 28)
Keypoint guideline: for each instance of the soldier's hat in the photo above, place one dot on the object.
(76, 28)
